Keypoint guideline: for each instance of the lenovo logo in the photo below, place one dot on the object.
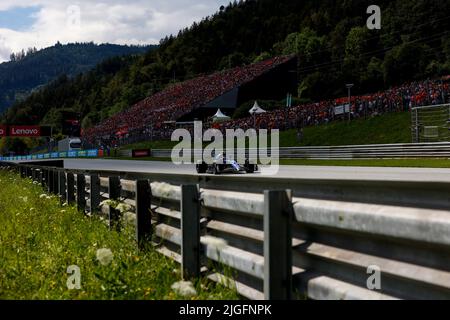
(24, 131)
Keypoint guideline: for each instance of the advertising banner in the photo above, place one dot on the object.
(3, 131)
(141, 153)
(92, 153)
(341, 109)
(82, 153)
(24, 131)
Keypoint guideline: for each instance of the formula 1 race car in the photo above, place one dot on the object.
(223, 165)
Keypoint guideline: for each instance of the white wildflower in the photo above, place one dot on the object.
(32, 209)
(65, 204)
(42, 196)
(129, 218)
(161, 189)
(108, 202)
(176, 271)
(123, 207)
(104, 256)
(215, 243)
(63, 211)
(225, 281)
(184, 288)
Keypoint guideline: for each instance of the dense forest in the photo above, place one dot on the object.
(330, 37)
(29, 70)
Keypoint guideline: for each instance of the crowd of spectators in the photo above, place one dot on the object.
(151, 114)
(401, 98)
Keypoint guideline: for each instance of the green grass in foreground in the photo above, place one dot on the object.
(40, 240)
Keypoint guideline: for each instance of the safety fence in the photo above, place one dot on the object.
(381, 151)
(93, 153)
(280, 244)
(384, 151)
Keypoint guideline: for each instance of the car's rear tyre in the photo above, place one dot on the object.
(201, 168)
(216, 169)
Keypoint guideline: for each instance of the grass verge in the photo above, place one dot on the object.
(392, 127)
(407, 163)
(40, 240)
(387, 128)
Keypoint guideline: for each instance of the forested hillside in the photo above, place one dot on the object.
(31, 69)
(331, 39)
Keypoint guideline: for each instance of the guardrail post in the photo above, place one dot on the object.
(28, 172)
(44, 178)
(22, 171)
(50, 181)
(81, 192)
(62, 186)
(277, 245)
(94, 193)
(190, 230)
(114, 189)
(70, 192)
(143, 213)
(55, 181)
(33, 174)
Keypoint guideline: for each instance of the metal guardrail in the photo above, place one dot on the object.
(381, 151)
(281, 244)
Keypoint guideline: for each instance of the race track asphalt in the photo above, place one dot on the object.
(300, 172)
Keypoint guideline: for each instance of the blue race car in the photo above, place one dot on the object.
(223, 165)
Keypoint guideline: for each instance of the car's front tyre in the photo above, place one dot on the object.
(250, 168)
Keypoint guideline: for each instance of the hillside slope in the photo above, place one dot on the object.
(331, 39)
(37, 68)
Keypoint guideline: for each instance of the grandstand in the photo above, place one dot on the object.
(396, 99)
(199, 98)
(155, 117)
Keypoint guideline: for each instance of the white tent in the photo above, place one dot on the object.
(219, 116)
(256, 109)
